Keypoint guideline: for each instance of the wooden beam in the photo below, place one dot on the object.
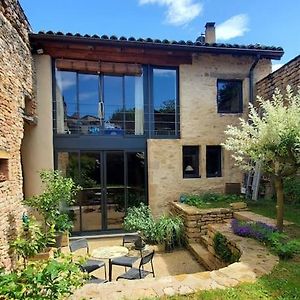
(142, 58)
(95, 67)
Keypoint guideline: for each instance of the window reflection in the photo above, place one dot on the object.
(164, 101)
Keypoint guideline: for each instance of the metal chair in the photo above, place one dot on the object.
(140, 272)
(91, 264)
(130, 238)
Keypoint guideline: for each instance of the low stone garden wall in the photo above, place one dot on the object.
(196, 220)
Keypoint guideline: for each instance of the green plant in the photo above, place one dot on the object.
(169, 230)
(32, 240)
(63, 223)
(53, 279)
(59, 192)
(271, 137)
(140, 219)
(222, 249)
(291, 189)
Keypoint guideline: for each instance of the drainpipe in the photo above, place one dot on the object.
(251, 85)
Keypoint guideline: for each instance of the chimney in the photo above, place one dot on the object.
(210, 32)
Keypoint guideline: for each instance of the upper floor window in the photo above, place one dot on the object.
(165, 102)
(229, 96)
(99, 104)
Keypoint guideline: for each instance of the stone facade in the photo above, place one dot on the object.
(15, 89)
(200, 125)
(289, 74)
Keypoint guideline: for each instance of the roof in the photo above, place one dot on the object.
(271, 52)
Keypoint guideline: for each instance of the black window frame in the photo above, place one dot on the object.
(219, 173)
(196, 148)
(240, 100)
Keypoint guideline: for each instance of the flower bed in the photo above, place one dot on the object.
(269, 235)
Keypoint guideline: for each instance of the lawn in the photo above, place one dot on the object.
(283, 283)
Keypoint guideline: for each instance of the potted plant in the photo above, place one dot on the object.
(59, 192)
(63, 226)
(32, 242)
(169, 231)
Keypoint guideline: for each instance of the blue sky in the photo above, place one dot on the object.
(269, 22)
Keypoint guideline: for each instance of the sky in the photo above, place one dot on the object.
(267, 22)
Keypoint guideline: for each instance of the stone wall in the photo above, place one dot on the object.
(196, 221)
(15, 90)
(200, 125)
(287, 74)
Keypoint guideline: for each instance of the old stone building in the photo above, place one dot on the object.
(129, 119)
(288, 74)
(15, 93)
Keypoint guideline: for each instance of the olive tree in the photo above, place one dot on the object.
(271, 137)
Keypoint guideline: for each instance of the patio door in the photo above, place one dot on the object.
(111, 182)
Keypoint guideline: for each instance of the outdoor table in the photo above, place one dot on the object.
(109, 253)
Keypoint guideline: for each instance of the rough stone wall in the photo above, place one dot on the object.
(15, 87)
(200, 125)
(287, 74)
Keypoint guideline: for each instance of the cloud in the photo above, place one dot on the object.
(234, 27)
(179, 12)
(276, 67)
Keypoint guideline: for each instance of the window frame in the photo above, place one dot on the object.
(220, 163)
(240, 100)
(197, 155)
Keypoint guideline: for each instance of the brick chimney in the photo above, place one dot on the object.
(210, 32)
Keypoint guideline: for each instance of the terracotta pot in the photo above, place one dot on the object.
(46, 254)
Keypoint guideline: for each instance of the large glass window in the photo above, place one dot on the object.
(213, 161)
(165, 101)
(229, 98)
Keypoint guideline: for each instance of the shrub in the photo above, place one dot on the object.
(277, 242)
(291, 189)
(140, 219)
(53, 279)
(169, 230)
(208, 198)
(223, 250)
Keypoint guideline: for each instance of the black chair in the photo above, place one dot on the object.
(139, 273)
(130, 238)
(91, 264)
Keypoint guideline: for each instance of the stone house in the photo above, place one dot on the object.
(129, 119)
(138, 120)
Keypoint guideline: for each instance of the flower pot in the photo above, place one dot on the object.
(46, 254)
(61, 239)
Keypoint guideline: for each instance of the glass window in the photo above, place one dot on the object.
(190, 163)
(165, 101)
(213, 161)
(88, 96)
(66, 102)
(134, 105)
(229, 96)
(113, 105)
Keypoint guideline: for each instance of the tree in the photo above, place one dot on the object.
(271, 137)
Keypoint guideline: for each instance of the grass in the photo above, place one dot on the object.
(283, 283)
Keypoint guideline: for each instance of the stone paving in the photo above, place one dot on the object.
(254, 262)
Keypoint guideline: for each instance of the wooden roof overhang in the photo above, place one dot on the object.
(124, 56)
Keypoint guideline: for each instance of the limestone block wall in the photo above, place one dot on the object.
(15, 87)
(200, 125)
(287, 74)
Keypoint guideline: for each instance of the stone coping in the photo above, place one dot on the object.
(192, 210)
(255, 261)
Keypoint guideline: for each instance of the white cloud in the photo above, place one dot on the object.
(179, 12)
(276, 67)
(233, 27)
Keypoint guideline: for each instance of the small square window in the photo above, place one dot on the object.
(190, 163)
(213, 161)
(229, 96)
(3, 169)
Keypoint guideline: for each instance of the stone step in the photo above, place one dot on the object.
(203, 256)
(204, 240)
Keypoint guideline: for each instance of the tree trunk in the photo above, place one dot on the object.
(279, 195)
